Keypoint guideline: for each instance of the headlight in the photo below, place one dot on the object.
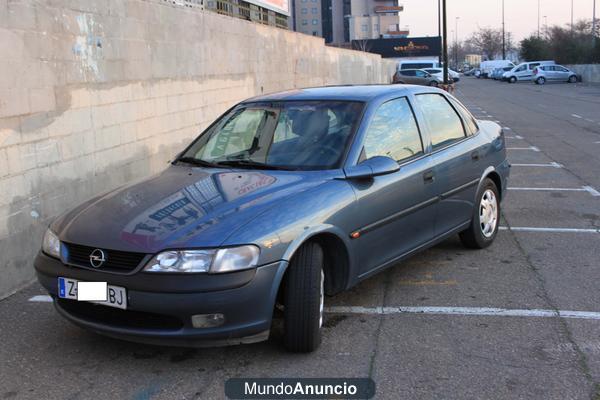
(212, 261)
(51, 244)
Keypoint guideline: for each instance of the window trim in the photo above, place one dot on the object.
(433, 148)
(406, 160)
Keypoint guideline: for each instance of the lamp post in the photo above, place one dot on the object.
(571, 16)
(503, 34)
(445, 41)
(538, 19)
(440, 29)
(594, 25)
(456, 42)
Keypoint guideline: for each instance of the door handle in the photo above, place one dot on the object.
(428, 177)
(475, 156)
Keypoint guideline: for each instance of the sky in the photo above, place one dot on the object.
(521, 16)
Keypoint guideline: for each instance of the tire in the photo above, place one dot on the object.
(434, 83)
(573, 79)
(480, 235)
(303, 300)
(541, 80)
(512, 79)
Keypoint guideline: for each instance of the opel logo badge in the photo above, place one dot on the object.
(97, 258)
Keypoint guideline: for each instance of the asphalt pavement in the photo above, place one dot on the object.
(520, 319)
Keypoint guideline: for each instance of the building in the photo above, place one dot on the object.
(342, 21)
(268, 12)
(473, 60)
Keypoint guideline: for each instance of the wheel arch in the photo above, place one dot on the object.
(337, 256)
(491, 173)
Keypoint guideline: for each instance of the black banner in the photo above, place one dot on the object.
(401, 47)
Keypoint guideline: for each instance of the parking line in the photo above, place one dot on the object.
(588, 189)
(506, 128)
(549, 230)
(532, 148)
(576, 116)
(553, 164)
(476, 311)
(41, 299)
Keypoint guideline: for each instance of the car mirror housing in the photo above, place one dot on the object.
(375, 166)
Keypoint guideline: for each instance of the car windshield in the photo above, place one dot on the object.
(307, 135)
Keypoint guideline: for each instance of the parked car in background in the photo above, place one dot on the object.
(499, 73)
(487, 67)
(477, 73)
(523, 71)
(469, 72)
(416, 77)
(286, 198)
(418, 64)
(547, 73)
(439, 73)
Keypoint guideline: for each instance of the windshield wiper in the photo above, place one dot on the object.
(249, 164)
(197, 162)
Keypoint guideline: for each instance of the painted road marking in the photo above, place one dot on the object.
(552, 164)
(532, 148)
(477, 311)
(588, 189)
(506, 128)
(41, 299)
(576, 116)
(550, 230)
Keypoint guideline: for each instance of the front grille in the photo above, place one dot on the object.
(117, 317)
(116, 261)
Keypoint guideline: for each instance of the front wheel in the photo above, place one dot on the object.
(304, 299)
(541, 80)
(486, 217)
(512, 79)
(572, 79)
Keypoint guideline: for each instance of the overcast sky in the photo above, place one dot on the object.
(521, 16)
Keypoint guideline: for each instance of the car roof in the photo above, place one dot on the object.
(362, 93)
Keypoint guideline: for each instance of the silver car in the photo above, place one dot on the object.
(416, 77)
(545, 73)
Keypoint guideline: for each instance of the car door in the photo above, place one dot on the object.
(456, 159)
(562, 74)
(408, 76)
(396, 211)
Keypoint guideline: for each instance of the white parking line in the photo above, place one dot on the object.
(550, 230)
(532, 148)
(589, 120)
(576, 116)
(552, 164)
(506, 128)
(41, 299)
(549, 189)
(477, 311)
(592, 191)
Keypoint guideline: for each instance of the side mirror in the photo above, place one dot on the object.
(376, 166)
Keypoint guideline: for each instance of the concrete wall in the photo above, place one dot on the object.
(589, 73)
(96, 93)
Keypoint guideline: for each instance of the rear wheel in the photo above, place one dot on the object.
(541, 80)
(433, 83)
(304, 300)
(486, 217)
(573, 79)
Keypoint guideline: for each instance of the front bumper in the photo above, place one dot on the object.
(161, 314)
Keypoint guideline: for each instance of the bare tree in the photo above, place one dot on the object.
(488, 42)
(362, 45)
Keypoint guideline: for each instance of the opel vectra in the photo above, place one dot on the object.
(284, 199)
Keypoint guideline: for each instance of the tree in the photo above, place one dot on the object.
(488, 42)
(533, 48)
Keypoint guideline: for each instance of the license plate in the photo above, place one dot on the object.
(116, 296)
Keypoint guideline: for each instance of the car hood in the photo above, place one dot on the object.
(181, 208)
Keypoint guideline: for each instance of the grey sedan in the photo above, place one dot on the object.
(284, 199)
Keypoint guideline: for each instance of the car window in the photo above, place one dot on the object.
(532, 66)
(470, 123)
(408, 73)
(562, 69)
(421, 74)
(445, 126)
(521, 68)
(307, 135)
(393, 132)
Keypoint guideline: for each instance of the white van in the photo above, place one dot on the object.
(487, 67)
(524, 71)
(418, 64)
